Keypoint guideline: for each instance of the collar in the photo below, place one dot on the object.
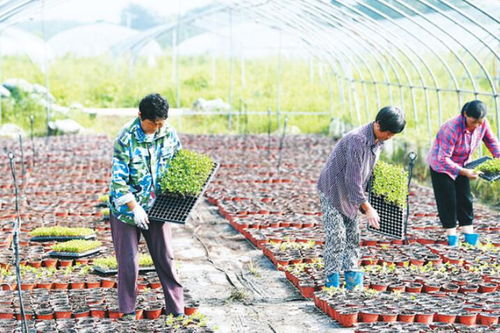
(142, 137)
(370, 136)
(463, 124)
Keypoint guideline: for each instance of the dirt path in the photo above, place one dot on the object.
(238, 287)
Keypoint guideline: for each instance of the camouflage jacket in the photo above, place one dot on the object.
(138, 162)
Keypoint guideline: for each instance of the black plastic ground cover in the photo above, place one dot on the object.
(59, 238)
(176, 209)
(392, 217)
(73, 254)
(104, 271)
(491, 177)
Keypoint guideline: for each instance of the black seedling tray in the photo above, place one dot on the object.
(176, 209)
(59, 238)
(73, 254)
(491, 177)
(103, 271)
(392, 217)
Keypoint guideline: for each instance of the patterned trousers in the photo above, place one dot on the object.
(342, 251)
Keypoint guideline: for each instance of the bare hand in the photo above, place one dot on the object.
(373, 218)
(469, 173)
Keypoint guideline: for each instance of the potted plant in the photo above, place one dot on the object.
(490, 168)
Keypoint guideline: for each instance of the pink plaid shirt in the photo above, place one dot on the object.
(454, 145)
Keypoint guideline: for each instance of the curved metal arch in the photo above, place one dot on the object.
(274, 17)
(431, 73)
(409, 79)
(431, 34)
(462, 13)
(361, 58)
(335, 68)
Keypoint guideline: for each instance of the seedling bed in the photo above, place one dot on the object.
(174, 208)
(392, 217)
(491, 177)
(74, 254)
(59, 238)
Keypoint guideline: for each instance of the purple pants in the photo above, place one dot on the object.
(158, 237)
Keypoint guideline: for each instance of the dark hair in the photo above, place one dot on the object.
(153, 106)
(475, 109)
(391, 118)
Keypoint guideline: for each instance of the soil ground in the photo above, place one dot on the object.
(239, 289)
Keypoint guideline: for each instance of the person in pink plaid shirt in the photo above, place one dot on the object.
(452, 149)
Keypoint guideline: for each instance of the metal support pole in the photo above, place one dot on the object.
(17, 229)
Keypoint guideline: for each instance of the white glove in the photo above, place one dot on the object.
(140, 217)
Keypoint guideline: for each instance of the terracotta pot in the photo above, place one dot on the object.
(469, 288)
(431, 288)
(155, 285)
(60, 285)
(487, 287)
(62, 314)
(347, 319)
(414, 288)
(115, 314)
(65, 262)
(92, 284)
(487, 319)
(445, 317)
(368, 316)
(378, 286)
(189, 310)
(44, 285)
(406, 317)
(97, 313)
(105, 283)
(45, 316)
(451, 288)
(49, 262)
(467, 318)
(81, 314)
(424, 318)
(6, 315)
(77, 285)
(28, 286)
(388, 317)
(152, 313)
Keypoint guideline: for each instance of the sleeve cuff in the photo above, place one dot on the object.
(124, 199)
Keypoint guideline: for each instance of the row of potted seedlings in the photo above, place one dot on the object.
(248, 203)
(48, 213)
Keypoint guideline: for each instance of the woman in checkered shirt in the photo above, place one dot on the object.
(341, 188)
(452, 149)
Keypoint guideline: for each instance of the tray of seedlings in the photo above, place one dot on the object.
(182, 186)
(76, 248)
(388, 194)
(488, 167)
(58, 233)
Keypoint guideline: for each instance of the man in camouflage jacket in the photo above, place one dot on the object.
(142, 152)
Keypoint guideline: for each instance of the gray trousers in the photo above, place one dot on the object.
(158, 238)
(341, 252)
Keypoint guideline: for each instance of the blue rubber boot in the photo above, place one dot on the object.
(333, 280)
(353, 280)
(472, 239)
(452, 240)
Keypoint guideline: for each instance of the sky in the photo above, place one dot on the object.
(109, 10)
